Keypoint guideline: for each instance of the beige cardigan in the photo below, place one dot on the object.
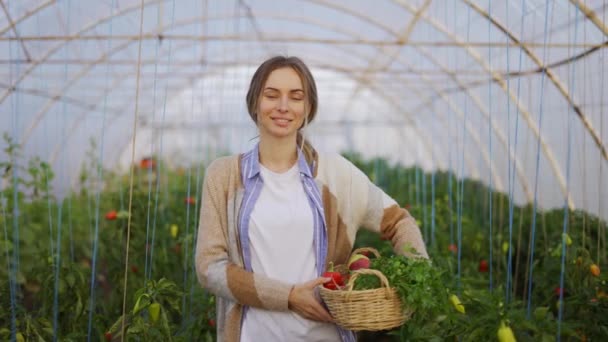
(350, 201)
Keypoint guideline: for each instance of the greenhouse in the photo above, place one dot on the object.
(247, 170)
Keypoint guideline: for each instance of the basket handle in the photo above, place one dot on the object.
(357, 273)
(366, 249)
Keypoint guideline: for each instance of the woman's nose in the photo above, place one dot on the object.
(283, 104)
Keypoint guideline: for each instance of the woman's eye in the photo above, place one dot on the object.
(269, 96)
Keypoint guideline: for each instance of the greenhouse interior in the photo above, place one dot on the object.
(477, 131)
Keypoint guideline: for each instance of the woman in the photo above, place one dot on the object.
(273, 218)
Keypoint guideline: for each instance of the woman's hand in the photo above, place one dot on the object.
(302, 300)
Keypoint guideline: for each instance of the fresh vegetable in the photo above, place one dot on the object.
(154, 311)
(336, 278)
(505, 247)
(19, 337)
(174, 230)
(147, 163)
(567, 239)
(111, 215)
(358, 261)
(453, 248)
(595, 270)
(417, 281)
(483, 266)
(456, 303)
(190, 200)
(505, 334)
(108, 336)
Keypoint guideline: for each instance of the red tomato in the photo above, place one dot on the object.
(558, 291)
(111, 215)
(190, 200)
(453, 248)
(147, 163)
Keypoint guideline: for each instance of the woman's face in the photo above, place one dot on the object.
(281, 106)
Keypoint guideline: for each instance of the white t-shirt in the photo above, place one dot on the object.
(282, 247)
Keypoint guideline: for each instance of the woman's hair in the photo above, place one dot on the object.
(310, 91)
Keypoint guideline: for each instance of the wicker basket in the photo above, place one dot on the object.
(371, 310)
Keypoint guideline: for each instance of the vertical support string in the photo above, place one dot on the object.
(57, 258)
(135, 118)
(490, 142)
(572, 75)
(540, 121)
(99, 172)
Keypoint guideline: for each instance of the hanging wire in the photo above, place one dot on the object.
(199, 168)
(599, 202)
(151, 239)
(186, 270)
(434, 171)
(57, 258)
(98, 188)
(461, 199)
(490, 137)
(540, 121)
(160, 152)
(135, 116)
(14, 265)
(513, 168)
(566, 208)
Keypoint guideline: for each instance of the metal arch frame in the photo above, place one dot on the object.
(401, 38)
(52, 51)
(54, 155)
(549, 71)
(387, 99)
(547, 151)
(475, 171)
(83, 72)
(484, 112)
(464, 45)
(26, 15)
(13, 27)
(104, 57)
(590, 14)
(86, 69)
(108, 90)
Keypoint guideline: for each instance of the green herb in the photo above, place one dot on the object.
(417, 282)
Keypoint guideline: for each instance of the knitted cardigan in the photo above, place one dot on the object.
(350, 201)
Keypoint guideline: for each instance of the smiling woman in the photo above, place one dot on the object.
(274, 218)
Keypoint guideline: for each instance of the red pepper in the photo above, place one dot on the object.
(336, 278)
(483, 266)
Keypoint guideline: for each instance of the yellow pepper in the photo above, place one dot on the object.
(567, 239)
(505, 334)
(456, 303)
(174, 231)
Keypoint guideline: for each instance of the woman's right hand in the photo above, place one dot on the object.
(302, 300)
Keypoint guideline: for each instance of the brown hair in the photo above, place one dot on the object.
(310, 91)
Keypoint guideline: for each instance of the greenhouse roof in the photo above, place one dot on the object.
(512, 93)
